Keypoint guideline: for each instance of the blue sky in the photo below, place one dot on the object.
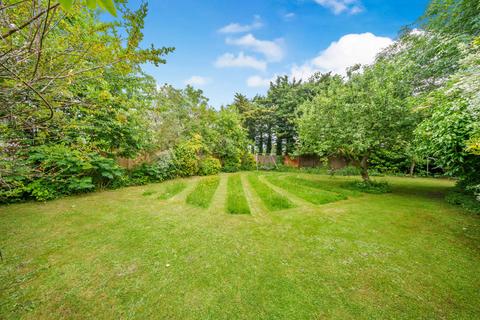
(227, 46)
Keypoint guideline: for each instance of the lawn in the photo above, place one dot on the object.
(143, 252)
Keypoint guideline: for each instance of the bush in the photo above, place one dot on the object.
(50, 171)
(248, 162)
(185, 158)
(161, 169)
(369, 186)
(466, 201)
(209, 166)
(231, 163)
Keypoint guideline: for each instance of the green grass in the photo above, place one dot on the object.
(236, 200)
(270, 198)
(119, 255)
(315, 196)
(148, 193)
(172, 189)
(203, 193)
(329, 184)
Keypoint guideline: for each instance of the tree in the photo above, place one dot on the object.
(358, 117)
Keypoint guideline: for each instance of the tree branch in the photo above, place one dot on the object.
(33, 89)
(40, 45)
(14, 30)
(12, 5)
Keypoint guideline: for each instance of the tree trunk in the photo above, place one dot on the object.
(288, 145)
(412, 168)
(279, 146)
(269, 142)
(364, 169)
(260, 143)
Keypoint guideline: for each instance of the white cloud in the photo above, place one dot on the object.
(239, 28)
(289, 16)
(197, 81)
(258, 81)
(347, 51)
(271, 49)
(229, 60)
(340, 6)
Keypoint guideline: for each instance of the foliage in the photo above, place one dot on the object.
(56, 170)
(92, 4)
(466, 201)
(358, 117)
(209, 166)
(247, 161)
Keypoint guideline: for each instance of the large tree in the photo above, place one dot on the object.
(356, 118)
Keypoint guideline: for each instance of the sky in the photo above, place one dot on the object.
(229, 46)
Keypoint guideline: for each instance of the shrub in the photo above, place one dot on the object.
(62, 170)
(247, 162)
(209, 166)
(232, 163)
(466, 194)
(369, 186)
(185, 158)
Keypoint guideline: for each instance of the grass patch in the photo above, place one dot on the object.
(272, 200)
(203, 193)
(323, 185)
(148, 193)
(236, 201)
(374, 187)
(116, 254)
(315, 196)
(172, 190)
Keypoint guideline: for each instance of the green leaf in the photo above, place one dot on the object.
(66, 4)
(109, 6)
(91, 4)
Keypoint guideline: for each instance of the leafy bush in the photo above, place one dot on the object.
(53, 170)
(466, 194)
(209, 166)
(466, 201)
(232, 163)
(369, 186)
(248, 162)
(62, 170)
(185, 158)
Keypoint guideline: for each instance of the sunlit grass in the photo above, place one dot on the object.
(117, 254)
(172, 189)
(315, 196)
(270, 198)
(203, 193)
(236, 200)
(332, 186)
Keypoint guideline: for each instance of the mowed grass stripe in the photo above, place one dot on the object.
(322, 185)
(203, 193)
(236, 200)
(315, 196)
(172, 190)
(270, 198)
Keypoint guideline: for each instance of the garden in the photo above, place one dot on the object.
(349, 194)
